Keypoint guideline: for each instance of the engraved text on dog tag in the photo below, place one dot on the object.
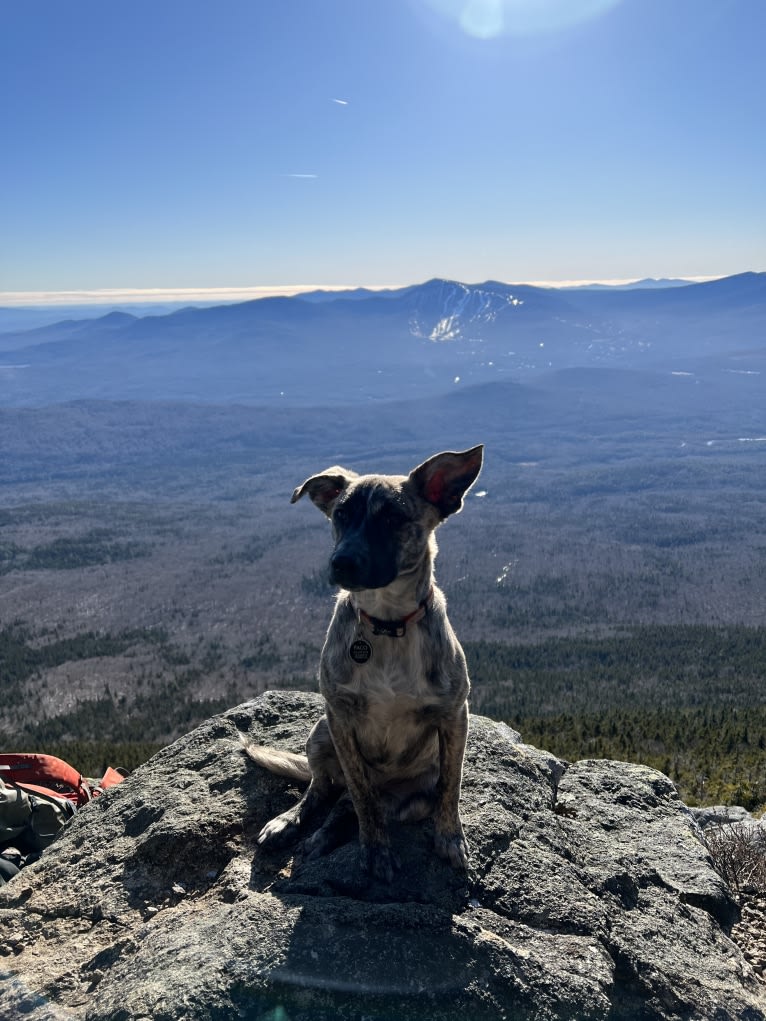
(360, 650)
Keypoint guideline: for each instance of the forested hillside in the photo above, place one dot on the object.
(687, 700)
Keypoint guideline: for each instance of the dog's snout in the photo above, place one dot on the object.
(343, 569)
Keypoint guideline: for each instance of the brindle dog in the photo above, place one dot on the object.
(392, 673)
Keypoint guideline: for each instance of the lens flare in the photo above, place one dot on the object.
(488, 19)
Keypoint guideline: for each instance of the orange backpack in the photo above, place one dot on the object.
(38, 794)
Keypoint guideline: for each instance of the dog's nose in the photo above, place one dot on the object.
(343, 569)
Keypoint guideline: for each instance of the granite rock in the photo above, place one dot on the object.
(589, 896)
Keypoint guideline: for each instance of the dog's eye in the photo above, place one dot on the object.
(391, 517)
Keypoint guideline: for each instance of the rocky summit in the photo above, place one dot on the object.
(589, 896)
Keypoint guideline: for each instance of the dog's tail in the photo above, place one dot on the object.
(294, 767)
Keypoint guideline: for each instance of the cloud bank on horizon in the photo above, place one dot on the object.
(223, 295)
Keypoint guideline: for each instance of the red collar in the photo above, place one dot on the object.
(398, 628)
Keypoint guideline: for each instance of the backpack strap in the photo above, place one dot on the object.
(48, 771)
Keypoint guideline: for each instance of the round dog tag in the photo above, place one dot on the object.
(360, 650)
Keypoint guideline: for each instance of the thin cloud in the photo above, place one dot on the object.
(148, 295)
(341, 102)
(302, 177)
(216, 295)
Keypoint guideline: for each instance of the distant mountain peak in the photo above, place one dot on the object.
(445, 308)
(645, 284)
(114, 319)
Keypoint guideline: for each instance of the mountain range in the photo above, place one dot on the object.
(366, 346)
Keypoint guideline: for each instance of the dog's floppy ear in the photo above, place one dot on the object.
(444, 479)
(325, 489)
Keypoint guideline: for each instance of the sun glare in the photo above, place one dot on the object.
(487, 19)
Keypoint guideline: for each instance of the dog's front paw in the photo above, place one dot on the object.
(378, 862)
(453, 847)
(280, 831)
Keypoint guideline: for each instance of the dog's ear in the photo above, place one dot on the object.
(444, 479)
(325, 489)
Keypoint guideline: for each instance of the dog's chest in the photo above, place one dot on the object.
(395, 672)
(393, 720)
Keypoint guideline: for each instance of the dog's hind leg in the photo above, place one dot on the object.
(285, 828)
(326, 784)
(340, 826)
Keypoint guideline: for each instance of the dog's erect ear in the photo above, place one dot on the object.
(444, 479)
(325, 489)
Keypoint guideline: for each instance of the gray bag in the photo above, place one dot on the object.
(31, 818)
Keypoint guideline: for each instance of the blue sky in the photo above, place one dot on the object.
(189, 144)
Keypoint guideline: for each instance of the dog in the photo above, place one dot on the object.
(392, 673)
